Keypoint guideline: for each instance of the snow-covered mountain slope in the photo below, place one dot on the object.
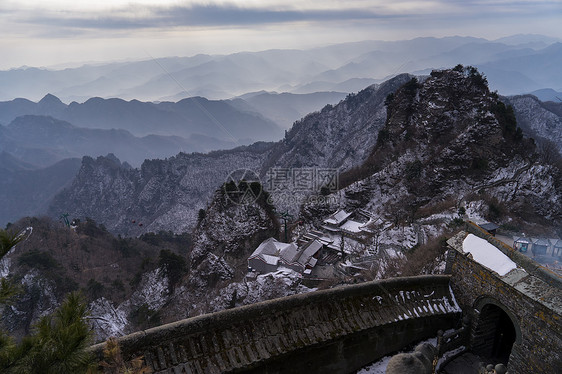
(538, 119)
(339, 136)
(161, 195)
(450, 139)
(411, 152)
(225, 236)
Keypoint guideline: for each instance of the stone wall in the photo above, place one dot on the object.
(332, 331)
(530, 297)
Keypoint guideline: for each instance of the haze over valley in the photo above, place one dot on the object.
(168, 160)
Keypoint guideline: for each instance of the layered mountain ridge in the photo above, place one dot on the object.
(341, 67)
(44, 140)
(195, 115)
(447, 136)
(166, 194)
(162, 194)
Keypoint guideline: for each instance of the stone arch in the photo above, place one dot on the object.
(495, 329)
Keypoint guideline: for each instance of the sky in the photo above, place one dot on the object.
(70, 32)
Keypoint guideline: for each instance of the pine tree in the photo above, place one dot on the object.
(7, 242)
(58, 342)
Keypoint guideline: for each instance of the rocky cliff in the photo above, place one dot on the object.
(339, 136)
(161, 195)
(539, 120)
(449, 141)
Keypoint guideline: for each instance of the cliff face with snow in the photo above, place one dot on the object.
(538, 119)
(215, 279)
(161, 195)
(339, 136)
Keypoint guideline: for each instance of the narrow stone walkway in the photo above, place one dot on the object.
(467, 363)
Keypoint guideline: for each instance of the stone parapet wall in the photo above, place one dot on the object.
(337, 330)
(523, 296)
(530, 266)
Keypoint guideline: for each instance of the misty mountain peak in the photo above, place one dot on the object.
(50, 99)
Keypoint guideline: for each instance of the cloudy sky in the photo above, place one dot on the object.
(53, 32)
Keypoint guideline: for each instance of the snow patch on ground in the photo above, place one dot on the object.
(488, 255)
(106, 319)
(378, 367)
(475, 211)
(5, 267)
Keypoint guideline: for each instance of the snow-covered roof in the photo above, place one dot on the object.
(352, 226)
(557, 243)
(309, 250)
(302, 255)
(266, 247)
(272, 248)
(269, 259)
(289, 254)
(373, 223)
(325, 240)
(274, 252)
(321, 237)
(522, 240)
(337, 218)
(487, 255)
(540, 241)
(331, 229)
(376, 225)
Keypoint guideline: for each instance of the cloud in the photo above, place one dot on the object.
(146, 15)
(32, 30)
(198, 16)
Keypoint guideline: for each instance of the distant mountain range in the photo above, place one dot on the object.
(548, 94)
(26, 191)
(45, 132)
(286, 108)
(43, 140)
(196, 115)
(514, 65)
